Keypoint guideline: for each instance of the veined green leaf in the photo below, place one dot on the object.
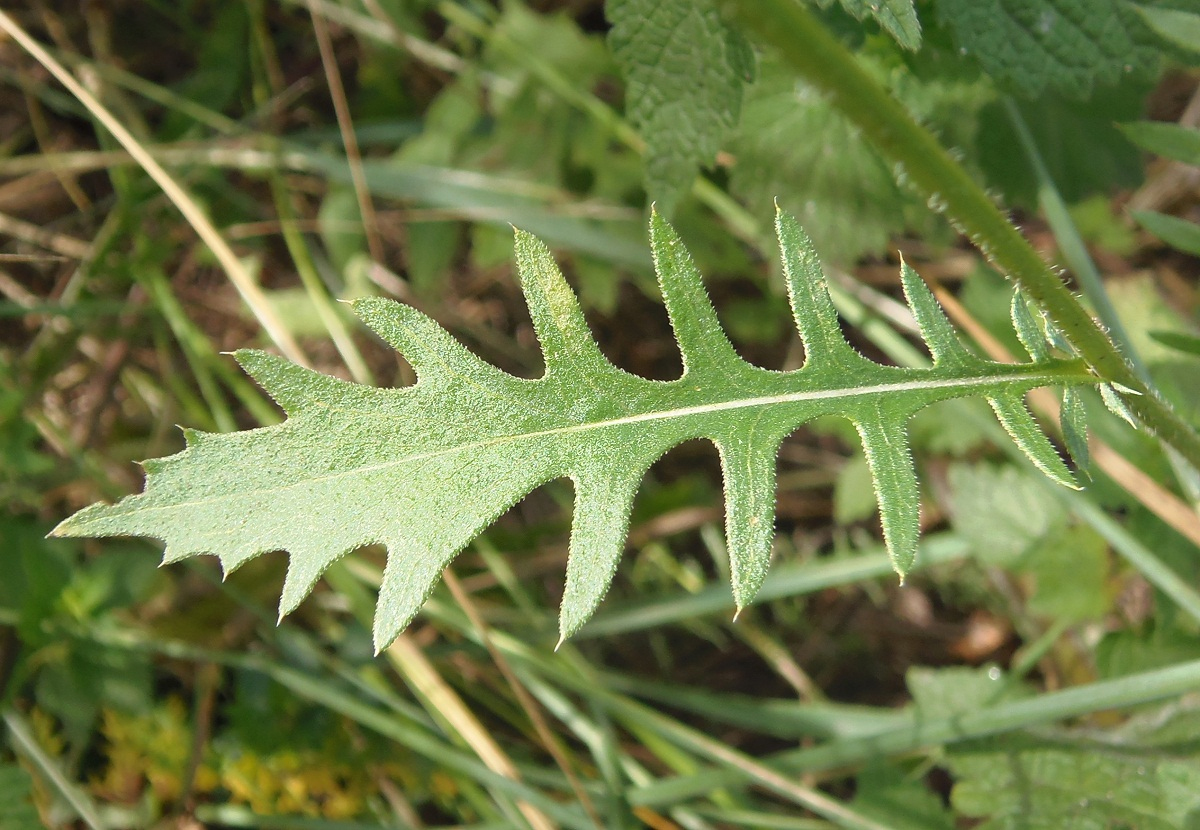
(1065, 45)
(424, 469)
(684, 70)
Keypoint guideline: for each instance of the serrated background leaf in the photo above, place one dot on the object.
(1066, 46)
(792, 141)
(1000, 511)
(1070, 570)
(1042, 784)
(424, 469)
(684, 70)
(793, 146)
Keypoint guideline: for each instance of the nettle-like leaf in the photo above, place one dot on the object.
(684, 71)
(1067, 46)
(424, 469)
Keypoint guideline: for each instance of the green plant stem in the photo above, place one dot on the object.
(1070, 244)
(1075, 254)
(919, 159)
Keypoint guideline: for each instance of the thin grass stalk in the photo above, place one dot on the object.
(237, 272)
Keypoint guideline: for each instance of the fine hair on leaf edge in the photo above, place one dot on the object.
(424, 469)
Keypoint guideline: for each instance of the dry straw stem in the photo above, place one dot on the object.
(341, 108)
(415, 668)
(192, 212)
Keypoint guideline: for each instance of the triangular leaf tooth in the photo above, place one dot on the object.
(176, 553)
(304, 569)
(702, 341)
(431, 350)
(816, 318)
(939, 335)
(1023, 429)
(152, 466)
(408, 580)
(566, 341)
(886, 448)
(1073, 419)
(1055, 336)
(233, 559)
(748, 466)
(195, 438)
(1115, 405)
(97, 519)
(293, 387)
(603, 499)
(1028, 331)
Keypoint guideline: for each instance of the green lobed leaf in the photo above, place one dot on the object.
(424, 469)
(897, 17)
(1115, 405)
(1066, 46)
(684, 70)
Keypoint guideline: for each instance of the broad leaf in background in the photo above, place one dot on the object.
(1146, 776)
(684, 71)
(1000, 511)
(1079, 142)
(1066, 46)
(1143, 775)
(897, 17)
(423, 470)
(899, 800)
(792, 140)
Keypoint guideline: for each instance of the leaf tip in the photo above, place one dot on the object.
(62, 530)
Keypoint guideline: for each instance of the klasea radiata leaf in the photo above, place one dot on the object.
(424, 469)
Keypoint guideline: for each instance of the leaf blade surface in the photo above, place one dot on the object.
(422, 470)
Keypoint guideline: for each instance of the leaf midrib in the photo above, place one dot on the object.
(1043, 376)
